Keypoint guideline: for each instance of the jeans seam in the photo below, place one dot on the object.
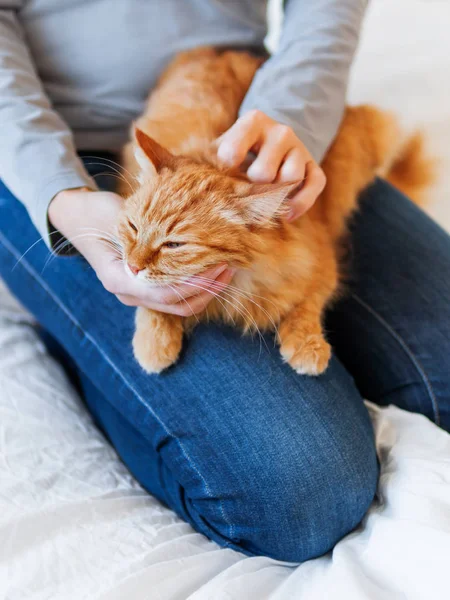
(61, 306)
(420, 369)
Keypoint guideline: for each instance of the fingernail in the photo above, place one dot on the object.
(290, 215)
(229, 274)
(219, 271)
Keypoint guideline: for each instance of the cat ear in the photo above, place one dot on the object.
(150, 155)
(264, 202)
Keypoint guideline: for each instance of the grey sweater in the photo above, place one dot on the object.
(75, 73)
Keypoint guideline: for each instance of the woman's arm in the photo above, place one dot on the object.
(304, 84)
(296, 101)
(37, 154)
(39, 164)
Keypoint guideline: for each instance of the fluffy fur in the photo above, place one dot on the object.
(188, 213)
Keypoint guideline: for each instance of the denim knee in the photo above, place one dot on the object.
(298, 508)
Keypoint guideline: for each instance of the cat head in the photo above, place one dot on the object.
(189, 214)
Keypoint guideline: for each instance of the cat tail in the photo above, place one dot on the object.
(413, 171)
(370, 143)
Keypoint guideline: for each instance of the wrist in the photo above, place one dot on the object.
(66, 206)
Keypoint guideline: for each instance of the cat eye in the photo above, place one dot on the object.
(173, 244)
(133, 226)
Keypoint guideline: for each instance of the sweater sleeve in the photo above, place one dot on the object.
(37, 153)
(304, 84)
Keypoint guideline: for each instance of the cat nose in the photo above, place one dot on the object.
(135, 270)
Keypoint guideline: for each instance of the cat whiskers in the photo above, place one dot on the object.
(220, 299)
(114, 163)
(244, 295)
(217, 297)
(109, 238)
(117, 175)
(184, 300)
(210, 284)
(106, 237)
(41, 239)
(65, 243)
(245, 315)
(57, 250)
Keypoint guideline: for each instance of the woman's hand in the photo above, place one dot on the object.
(281, 156)
(84, 217)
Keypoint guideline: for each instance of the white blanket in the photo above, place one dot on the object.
(74, 524)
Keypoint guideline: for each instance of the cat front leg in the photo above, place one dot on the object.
(302, 341)
(158, 339)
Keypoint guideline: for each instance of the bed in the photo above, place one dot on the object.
(75, 525)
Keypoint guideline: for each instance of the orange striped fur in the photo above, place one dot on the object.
(287, 273)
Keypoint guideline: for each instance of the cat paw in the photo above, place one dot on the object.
(309, 355)
(153, 355)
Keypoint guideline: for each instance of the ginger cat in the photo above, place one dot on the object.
(189, 213)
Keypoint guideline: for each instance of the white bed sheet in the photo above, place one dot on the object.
(74, 524)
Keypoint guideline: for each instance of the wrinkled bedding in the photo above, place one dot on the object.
(74, 524)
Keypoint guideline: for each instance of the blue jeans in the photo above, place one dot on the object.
(251, 454)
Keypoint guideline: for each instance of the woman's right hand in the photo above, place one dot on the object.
(84, 216)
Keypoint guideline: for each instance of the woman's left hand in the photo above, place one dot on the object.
(280, 156)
